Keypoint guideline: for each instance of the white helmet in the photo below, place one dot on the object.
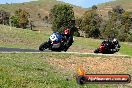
(53, 37)
(114, 40)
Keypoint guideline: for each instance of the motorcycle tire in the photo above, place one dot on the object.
(96, 51)
(43, 46)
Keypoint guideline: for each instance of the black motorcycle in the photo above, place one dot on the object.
(108, 48)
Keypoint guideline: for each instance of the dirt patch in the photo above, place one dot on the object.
(94, 65)
(99, 65)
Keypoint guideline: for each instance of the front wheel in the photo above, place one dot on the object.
(96, 51)
(43, 46)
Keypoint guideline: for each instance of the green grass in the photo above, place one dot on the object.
(19, 38)
(89, 43)
(24, 70)
(86, 42)
(27, 39)
(29, 70)
(126, 49)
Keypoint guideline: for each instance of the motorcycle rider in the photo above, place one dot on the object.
(67, 35)
(68, 38)
(107, 42)
(111, 44)
(115, 45)
(69, 32)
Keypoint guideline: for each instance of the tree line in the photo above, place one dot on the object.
(117, 25)
(19, 19)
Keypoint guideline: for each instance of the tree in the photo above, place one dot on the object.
(118, 25)
(118, 9)
(60, 15)
(109, 30)
(39, 15)
(14, 21)
(4, 17)
(94, 7)
(20, 19)
(129, 38)
(45, 19)
(23, 19)
(90, 23)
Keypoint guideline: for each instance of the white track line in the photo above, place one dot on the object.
(94, 54)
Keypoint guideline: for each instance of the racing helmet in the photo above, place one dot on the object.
(67, 31)
(115, 41)
(53, 37)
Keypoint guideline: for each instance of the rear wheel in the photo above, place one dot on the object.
(96, 51)
(65, 47)
(43, 46)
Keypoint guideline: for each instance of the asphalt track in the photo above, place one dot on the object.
(18, 50)
(4, 49)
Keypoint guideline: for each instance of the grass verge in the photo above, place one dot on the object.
(27, 39)
(35, 71)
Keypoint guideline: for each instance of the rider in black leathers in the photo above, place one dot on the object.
(68, 38)
(115, 44)
(112, 44)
